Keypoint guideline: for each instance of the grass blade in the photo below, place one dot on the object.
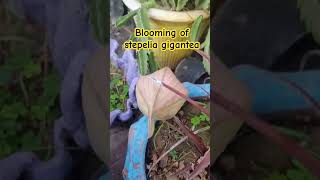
(181, 4)
(121, 21)
(202, 4)
(195, 29)
(152, 63)
(149, 65)
(143, 62)
(172, 4)
(143, 21)
(99, 19)
(165, 3)
(204, 163)
(206, 62)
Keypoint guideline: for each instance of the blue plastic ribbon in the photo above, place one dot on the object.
(138, 138)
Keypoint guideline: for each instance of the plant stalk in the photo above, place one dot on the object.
(287, 144)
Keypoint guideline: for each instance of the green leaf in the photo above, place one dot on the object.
(8, 127)
(310, 14)
(21, 57)
(38, 112)
(181, 4)
(165, 3)
(5, 95)
(195, 29)
(51, 86)
(203, 4)
(150, 4)
(5, 75)
(31, 70)
(206, 46)
(132, 37)
(276, 176)
(293, 174)
(302, 170)
(206, 65)
(143, 18)
(121, 21)
(143, 62)
(99, 19)
(143, 59)
(195, 121)
(30, 141)
(206, 42)
(174, 155)
(293, 133)
(5, 149)
(172, 4)
(153, 65)
(12, 111)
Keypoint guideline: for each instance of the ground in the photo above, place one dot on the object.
(29, 88)
(167, 133)
(180, 161)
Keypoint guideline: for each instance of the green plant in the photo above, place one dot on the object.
(181, 5)
(119, 92)
(298, 172)
(196, 120)
(146, 61)
(205, 45)
(99, 18)
(174, 155)
(27, 102)
(310, 14)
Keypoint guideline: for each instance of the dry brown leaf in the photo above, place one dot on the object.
(156, 101)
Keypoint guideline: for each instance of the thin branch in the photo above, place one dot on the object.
(307, 56)
(194, 103)
(204, 55)
(287, 144)
(175, 145)
(14, 38)
(307, 97)
(24, 90)
(196, 140)
(204, 163)
(155, 136)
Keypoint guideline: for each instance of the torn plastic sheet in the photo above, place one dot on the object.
(128, 64)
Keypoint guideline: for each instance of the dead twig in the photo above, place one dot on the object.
(24, 91)
(287, 144)
(307, 97)
(196, 140)
(204, 55)
(187, 168)
(194, 103)
(174, 146)
(204, 163)
(155, 136)
(14, 38)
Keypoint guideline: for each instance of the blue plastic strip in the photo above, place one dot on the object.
(270, 94)
(137, 143)
(138, 138)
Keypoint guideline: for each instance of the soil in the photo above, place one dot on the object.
(252, 156)
(179, 163)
